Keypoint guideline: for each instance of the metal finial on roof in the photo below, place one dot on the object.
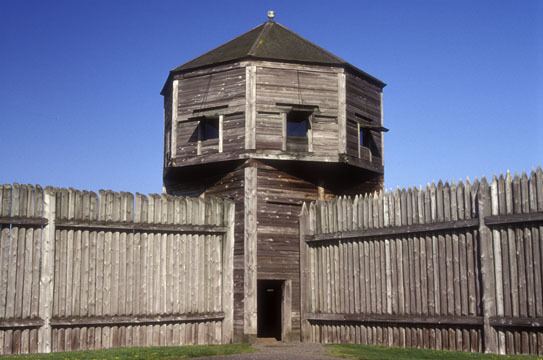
(271, 15)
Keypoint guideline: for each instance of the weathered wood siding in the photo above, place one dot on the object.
(324, 134)
(455, 267)
(303, 85)
(352, 138)
(167, 128)
(517, 262)
(269, 131)
(291, 84)
(20, 270)
(219, 86)
(363, 98)
(363, 103)
(254, 97)
(124, 270)
(233, 132)
(232, 187)
(187, 140)
(280, 197)
(215, 91)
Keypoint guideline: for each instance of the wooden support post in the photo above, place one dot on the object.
(382, 134)
(321, 192)
(342, 114)
(487, 271)
(286, 311)
(496, 243)
(304, 274)
(284, 131)
(47, 270)
(250, 108)
(310, 134)
(175, 88)
(200, 130)
(228, 272)
(250, 245)
(221, 135)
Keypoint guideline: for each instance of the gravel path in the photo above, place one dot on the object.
(280, 351)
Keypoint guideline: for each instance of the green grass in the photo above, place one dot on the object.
(365, 352)
(169, 353)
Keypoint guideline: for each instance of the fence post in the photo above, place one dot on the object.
(47, 268)
(487, 267)
(228, 272)
(304, 230)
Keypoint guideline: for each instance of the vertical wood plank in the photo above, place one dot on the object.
(250, 107)
(250, 240)
(342, 114)
(487, 270)
(47, 272)
(304, 231)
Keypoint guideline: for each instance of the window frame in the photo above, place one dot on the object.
(365, 135)
(309, 132)
(202, 124)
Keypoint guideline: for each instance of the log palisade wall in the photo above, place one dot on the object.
(85, 271)
(231, 186)
(452, 266)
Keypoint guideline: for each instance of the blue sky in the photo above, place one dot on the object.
(80, 82)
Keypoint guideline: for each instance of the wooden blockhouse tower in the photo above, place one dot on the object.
(271, 120)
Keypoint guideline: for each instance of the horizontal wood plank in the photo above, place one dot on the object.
(135, 320)
(396, 231)
(12, 324)
(117, 320)
(510, 219)
(397, 319)
(509, 321)
(23, 221)
(138, 227)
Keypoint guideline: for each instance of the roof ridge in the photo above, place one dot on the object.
(265, 30)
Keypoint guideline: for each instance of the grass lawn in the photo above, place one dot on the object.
(170, 353)
(364, 352)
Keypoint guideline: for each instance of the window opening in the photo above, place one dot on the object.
(209, 128)
(367, 140)
(298, 129)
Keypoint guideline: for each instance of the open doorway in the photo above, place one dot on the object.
(269, 299)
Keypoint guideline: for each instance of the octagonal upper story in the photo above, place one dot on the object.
(271, 94)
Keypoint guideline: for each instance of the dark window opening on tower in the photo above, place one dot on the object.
(168, 148)
(367, 140)
(209, 128)
(298, 127)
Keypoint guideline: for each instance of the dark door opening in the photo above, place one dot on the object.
(269, 299)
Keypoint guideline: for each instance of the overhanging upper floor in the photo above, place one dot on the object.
(276, 111)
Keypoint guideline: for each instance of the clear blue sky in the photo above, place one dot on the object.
(80, 81)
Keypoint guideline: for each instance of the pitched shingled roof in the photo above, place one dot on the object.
(270, 41)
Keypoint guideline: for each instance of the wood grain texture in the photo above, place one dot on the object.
(451, 266)
(97, 271)
(250, 240)
(263, 92)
